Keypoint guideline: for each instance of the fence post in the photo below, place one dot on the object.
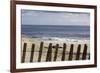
(71, 52)
(63, 53)
(40, 52)
(78, 52)
(84, 52)
(24, 53)
(56, 52)
(32, 53)
(49, 53)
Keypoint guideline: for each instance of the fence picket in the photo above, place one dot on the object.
(32, 53)
(49, 53)
(78, 52)
(56, 52)
(24, 53)
(63, 53)
(40, 52)
(89, 56)
(84, 52)
(71, 52)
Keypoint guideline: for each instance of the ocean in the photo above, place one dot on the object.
(56, 31)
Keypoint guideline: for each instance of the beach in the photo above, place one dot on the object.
(54, 40)
(54, 36)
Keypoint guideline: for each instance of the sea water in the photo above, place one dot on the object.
(52, 32)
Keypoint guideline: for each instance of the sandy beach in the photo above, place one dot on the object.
(67, 29)
(37, 41)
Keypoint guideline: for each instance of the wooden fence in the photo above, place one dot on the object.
(55, 49)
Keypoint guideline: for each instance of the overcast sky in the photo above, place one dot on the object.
(40, 17)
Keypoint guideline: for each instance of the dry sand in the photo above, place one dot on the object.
(37, 42)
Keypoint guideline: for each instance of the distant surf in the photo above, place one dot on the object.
(57, 32)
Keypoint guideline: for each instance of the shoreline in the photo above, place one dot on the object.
(57, 39)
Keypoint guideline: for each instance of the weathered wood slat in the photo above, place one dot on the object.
(89, 57)
(78, 52)
(40, 52)
(71, 52)
(56, 52)
(84, 52)
(32, 53)
(24, 53)
(52, 56)
(63, 53)
(49, 53)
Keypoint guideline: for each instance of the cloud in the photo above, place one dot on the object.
(38, 17)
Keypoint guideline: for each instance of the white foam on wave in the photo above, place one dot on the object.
(57, 39)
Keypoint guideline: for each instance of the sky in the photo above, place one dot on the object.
(42, 17)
